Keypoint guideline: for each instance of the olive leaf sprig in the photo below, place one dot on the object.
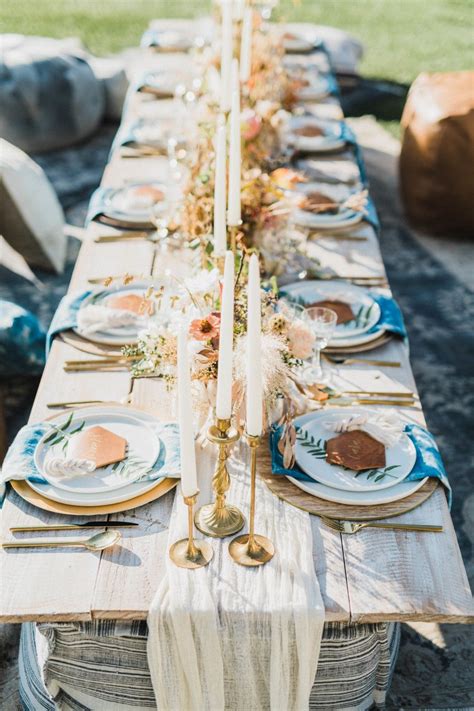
(316, 449)
(62, 434)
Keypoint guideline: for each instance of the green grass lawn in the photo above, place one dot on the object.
(401, 37)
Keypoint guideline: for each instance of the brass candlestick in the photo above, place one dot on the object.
(251, 549)
(233, 231)
(219, 262)
(188, 553)
(220, 519)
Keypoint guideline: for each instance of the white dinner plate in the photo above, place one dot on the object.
(343, 219)
(172, 41)
(119, 336)
(318, 87)
(155, 133)
(143, 449)
(330, 140)
(297, 44)
(356, 498)
(366, 310)
(122, 204)
(400, 459)
(106, 497)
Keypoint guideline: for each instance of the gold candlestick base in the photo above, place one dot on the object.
(188, 553)
(200, 555)
(251, 549)
(251, 552)
(220, 519)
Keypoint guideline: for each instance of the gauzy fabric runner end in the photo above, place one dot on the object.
(238, 638)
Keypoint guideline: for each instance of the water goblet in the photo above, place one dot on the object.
(323, 323)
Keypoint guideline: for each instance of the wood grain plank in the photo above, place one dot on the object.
(44, 584)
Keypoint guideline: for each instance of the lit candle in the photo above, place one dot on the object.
(254, 351)
(226, 55)
(246, 46)
(233, 197)
(220, 237)
(224, 369)
(186, 430)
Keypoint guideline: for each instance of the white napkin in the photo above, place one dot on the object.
(386, 428)
(68, 467)
(94, 318)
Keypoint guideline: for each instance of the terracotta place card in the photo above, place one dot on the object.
(343, 310)
(355, 450)
(287, 178)
(131, 302)
(319, 203)
(99, 445)
(309, 131)
(149, 191)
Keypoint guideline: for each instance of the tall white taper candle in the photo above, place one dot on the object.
(246, 46)
(226, 55)
(220, 184)
(254, 351)
(224, 370)
(233, 197)
(185, 415)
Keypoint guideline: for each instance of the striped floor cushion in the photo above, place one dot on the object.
(102, 666)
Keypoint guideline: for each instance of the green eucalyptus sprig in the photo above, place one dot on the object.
(62, 433)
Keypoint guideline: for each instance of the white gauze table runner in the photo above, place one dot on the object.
(235, 638)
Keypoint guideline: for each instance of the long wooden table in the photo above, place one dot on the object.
(372, 576)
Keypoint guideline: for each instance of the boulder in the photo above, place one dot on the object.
(50, 97)
(437, 155)
(31, 218)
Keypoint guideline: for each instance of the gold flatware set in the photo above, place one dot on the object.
(349, 527)
(97, 542)
(125, 236)
(351, 360)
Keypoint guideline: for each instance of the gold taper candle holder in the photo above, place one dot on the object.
(233, 231)
(188, 553)
(219, 262)
(220, 519)
(251, 549)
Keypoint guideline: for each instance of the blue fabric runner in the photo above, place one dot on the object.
(19, 461)
(65, 316)
(428, 459)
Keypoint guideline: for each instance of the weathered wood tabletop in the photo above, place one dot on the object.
(372, 576)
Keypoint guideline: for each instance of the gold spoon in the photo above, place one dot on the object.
(97, 542)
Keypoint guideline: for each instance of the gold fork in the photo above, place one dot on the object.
(340, 360)
(349, 527)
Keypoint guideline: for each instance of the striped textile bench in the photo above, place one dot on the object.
(102, 666)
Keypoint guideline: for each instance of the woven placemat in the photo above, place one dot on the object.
(289, 492)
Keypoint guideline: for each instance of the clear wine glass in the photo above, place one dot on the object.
(323, 323)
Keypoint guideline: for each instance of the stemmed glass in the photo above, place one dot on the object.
(323, 323)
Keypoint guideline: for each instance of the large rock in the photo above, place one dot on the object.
(437, 156)
(31, 218)
(49, 95)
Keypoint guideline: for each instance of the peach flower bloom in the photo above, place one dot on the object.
(204, 329)
(300, 340)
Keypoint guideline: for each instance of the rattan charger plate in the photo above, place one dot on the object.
(289, 492)
(363, 347)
